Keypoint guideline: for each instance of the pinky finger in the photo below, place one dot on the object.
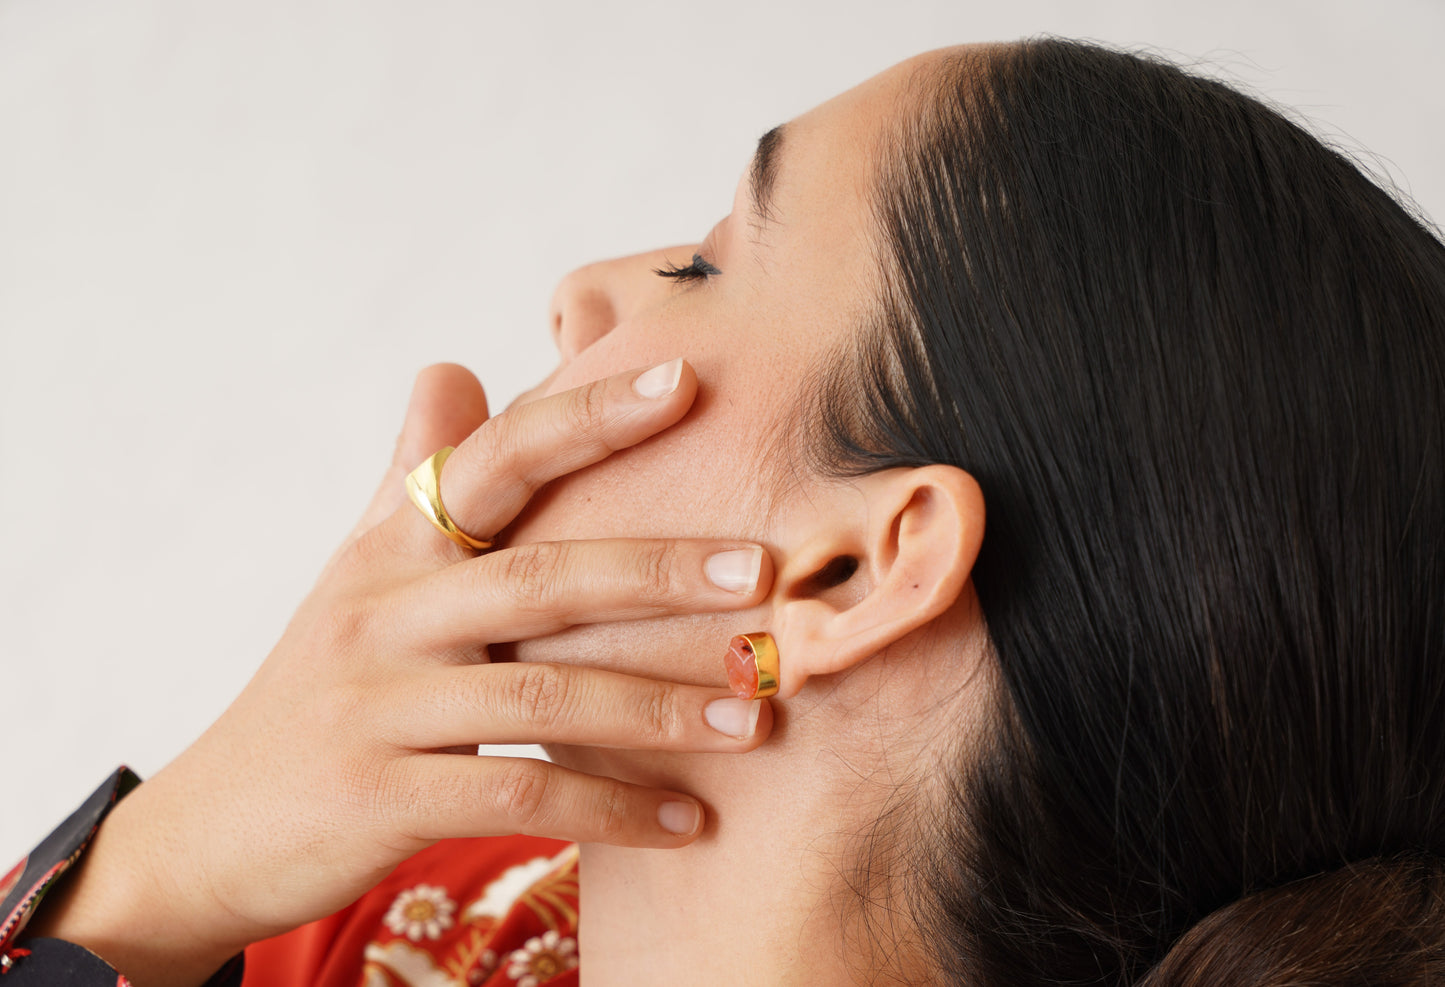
(451, 796)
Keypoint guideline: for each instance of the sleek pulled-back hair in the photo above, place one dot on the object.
(1196, 361)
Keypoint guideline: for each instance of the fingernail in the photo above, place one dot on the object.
(660, 381)
(735, 570)
(734, 717)
(679, 817)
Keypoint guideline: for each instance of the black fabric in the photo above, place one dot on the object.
(58, 963)
(26, 883)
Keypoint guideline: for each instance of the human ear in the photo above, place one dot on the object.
(873, 561)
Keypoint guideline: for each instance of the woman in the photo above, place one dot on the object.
(1169, 722)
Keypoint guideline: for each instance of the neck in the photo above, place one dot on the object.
(765, 895)
(789, 883)
(757, 899)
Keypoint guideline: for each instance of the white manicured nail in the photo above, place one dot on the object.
(734, 717)
(660, 381)
(735, 570)
(679, 817)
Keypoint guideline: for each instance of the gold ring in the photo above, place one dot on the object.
(752, 665)
(424, 487)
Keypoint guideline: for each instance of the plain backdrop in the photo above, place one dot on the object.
(230, 233)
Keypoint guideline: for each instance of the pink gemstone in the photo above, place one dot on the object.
(742, 666)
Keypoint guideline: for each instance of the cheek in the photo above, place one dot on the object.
(695, 480)
(624, 348)
(689, 481)
(673, 486)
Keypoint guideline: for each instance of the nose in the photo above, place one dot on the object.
(593, 300)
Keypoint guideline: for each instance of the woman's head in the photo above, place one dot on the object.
(783, 283)
(1195, 364)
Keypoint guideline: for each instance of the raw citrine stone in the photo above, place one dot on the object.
(742, 665)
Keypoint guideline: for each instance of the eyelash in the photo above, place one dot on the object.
(697, 270)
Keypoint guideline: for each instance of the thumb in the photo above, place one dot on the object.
(447, 404)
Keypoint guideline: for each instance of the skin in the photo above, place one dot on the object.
(606, 506)
(862, 690)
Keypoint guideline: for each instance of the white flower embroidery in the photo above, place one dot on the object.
(400, 963)
(542, 958)
(511, 884)
(425, 910)
(484, 968)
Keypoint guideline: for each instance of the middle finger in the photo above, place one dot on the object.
(540, 589)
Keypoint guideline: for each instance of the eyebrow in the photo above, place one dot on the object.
(763, 174)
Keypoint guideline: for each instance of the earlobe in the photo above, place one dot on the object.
(905, 541)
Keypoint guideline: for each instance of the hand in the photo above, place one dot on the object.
(353, 747)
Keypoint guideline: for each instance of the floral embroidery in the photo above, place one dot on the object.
(398, 962)
(425, 910)
(480, 973)
(502, 893)
(429, 930)
(542, 958)
(471, 960)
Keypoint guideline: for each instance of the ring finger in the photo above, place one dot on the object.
(549, 703)
(492, 475)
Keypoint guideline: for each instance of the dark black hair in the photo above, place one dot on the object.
(1196, 361)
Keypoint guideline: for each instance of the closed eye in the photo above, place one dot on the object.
(697, 270)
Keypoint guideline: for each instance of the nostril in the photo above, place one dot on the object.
(585, 315)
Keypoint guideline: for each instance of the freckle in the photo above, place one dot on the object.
(915, 585)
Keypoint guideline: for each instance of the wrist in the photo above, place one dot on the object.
(125, 903)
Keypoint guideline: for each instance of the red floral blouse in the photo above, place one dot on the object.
(464, 913)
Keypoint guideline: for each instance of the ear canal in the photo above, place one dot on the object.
(834, 573)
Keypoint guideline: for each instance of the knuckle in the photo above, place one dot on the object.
(657, 571)
(614, 812)
(390, 795)
(503, 448)
(660, 719)
(587, 411)
(342, 626)
(494, 450)
(410, 803)
(528, 573)
(520, 792)
(538, 694)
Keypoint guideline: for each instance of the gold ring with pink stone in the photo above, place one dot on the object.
(752, 665)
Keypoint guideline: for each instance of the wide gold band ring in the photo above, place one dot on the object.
(752, 665)
(424, 487)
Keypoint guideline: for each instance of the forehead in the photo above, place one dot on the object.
(827, 172)
(830, 159)
(814, 239)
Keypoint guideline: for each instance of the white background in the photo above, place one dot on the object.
(230, 233)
